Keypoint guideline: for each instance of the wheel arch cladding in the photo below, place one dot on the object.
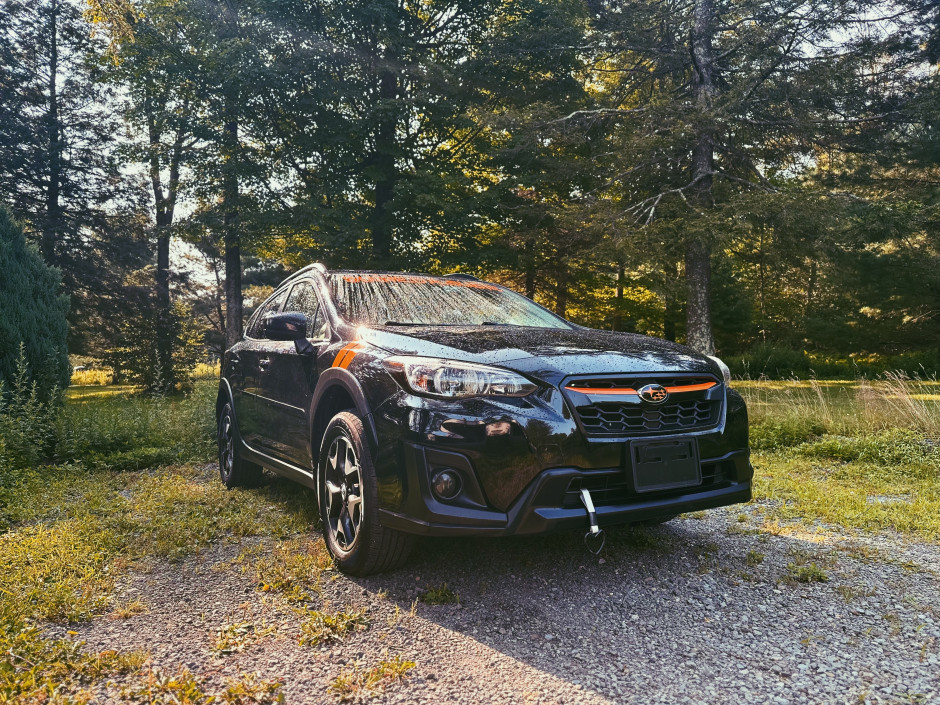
(337, 390)
(224, 397)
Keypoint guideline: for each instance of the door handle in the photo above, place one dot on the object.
(264, 362)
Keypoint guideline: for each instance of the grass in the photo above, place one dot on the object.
(114, 428)
(324, 627)
(439, 595)
(355, 681)
(185, 688)
(72, 527)
(860, 455)
(292, 568)
(236, 637)
(75, 530)
(810, 573)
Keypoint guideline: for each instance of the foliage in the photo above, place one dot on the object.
(439, 595)
(589, 154)
(33, 314)
(323, 627)
(136, 358)
(184, 688)
(292, 568)
(61, 174)
(27, 424)
(356, 681)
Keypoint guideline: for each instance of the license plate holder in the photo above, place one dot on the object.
(664, 464)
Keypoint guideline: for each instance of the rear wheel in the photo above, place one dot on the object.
(359, 544)
(233, 469)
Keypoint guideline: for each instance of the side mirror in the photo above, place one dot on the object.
(285, 326)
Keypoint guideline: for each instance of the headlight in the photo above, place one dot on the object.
(453, 380)
(725, 372)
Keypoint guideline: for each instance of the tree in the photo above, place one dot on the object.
(33, 315)
(716, 100)
(60, 170)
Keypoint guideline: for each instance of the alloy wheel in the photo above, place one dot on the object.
(226, 446)
(343, 483)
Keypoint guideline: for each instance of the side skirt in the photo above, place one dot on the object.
(279, 467)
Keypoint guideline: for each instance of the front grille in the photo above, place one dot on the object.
(692, 409)
(619, 418)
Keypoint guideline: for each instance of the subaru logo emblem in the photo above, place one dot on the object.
(653, 393)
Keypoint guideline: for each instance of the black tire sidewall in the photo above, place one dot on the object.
(349, 425)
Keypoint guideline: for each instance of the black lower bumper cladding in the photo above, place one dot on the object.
(552, 500)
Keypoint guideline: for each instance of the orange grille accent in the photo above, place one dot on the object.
(630, 390)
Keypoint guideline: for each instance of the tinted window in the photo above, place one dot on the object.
(378, 299)
(303, 298)
(255, 330)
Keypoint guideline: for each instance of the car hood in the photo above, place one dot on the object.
(548, 353)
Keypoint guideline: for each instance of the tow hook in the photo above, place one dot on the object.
(595, 534)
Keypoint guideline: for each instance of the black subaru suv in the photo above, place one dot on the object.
(449, 406)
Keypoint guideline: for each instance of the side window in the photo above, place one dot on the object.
(256, 329)
(303, 298)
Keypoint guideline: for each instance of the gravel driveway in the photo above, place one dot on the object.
(705, 609)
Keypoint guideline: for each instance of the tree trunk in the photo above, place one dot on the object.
(52, 231)
(762, 288)
(561, 293)
(230, 221)
(669, 300)
(384, 162)
(698, 274)
(618, 299)
(529, 264)
(698, 251)
(164, 203)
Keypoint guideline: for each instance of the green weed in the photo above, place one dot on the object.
(811, 573)
(184, 688)
(439, 595)
(291, 568)
(233, 638)
(754, 558)
(322, 627)
(354, 681)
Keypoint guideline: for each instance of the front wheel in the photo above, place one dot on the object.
(359, 544)
(233, 469)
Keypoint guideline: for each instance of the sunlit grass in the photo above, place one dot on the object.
(101, 377)
(863, 455)
(848, 406)
(75, 531)
(861, 496)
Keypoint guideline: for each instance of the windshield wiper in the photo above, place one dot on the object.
(402, 323)
(494, 323)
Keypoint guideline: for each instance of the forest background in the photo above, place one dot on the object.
(750, 177)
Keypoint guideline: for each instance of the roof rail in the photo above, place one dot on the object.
(461, 275)
(318, 266)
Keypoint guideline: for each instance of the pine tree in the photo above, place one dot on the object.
(33, 314)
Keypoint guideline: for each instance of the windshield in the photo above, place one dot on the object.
(409, 299)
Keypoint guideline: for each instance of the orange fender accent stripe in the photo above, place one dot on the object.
(346, 355)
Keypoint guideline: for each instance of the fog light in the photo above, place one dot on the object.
(445, 484)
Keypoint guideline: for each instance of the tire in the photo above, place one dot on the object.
(233, 469)
(349, 509)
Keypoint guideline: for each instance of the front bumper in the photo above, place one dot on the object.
(523, 469)
(548, 504)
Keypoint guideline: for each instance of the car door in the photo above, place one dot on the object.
(246, 363)
(288, 379)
